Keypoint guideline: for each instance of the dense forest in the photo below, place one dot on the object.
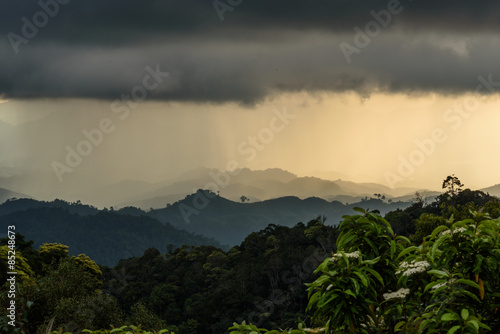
(281, 277)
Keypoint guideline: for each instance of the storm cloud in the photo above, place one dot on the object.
(101, 50)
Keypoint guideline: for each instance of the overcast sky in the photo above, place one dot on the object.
(401, 93)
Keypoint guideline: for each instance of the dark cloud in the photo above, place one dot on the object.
(119, 21)
(100, 49)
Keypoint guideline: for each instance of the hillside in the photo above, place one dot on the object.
(106, 237)
(23, 204)
(219, 220)
(230, 222)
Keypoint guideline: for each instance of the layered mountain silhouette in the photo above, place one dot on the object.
(203, 217)
(255, 185)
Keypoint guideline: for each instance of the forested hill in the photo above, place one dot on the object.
(21, 204)
(106, 236)
(230, 222)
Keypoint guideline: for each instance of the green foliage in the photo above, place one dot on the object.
(147, 319)
(130, 329)
(65, 294)
(26, 248)
(15, 257)
(425, 225)
(243, 328)
(204, 289)
(349, 289)
(52, 254)
(379, 283)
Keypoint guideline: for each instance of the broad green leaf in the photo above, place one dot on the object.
(348, 238)
(453, 329)
(358, 209)
(484, 326)
(406, 251)
(438, 243)
(437, 230)
(465, 314)
(372, 261)
(393, 248)
(375, 274)
(431, 284)
(398, 326)
(362, 276)
(468, 293)
(474, 324)
(369, 242)
(350, 293)
(346, 259)
(403, 238)
(449, 317)
(468, 282)
(438, 273)
(356, 285)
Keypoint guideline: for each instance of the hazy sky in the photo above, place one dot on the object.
(399, 93)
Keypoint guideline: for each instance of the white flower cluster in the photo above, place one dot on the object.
(455, 231)
(437, 286)
(353, 255)
(414, 267)
(401, 293)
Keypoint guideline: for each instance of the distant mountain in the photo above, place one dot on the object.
(353, 188)
(493, 190)
(106, 237)
(111, 194)
(428, 196)
(6, 194)
(155, 202)
(230, 222)
(259, 185)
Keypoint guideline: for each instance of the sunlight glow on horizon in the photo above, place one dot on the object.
(340, 135)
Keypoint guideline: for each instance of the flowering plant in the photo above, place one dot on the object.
(379, 283)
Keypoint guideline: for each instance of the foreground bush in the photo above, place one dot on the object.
(378, 282)
(122, 330)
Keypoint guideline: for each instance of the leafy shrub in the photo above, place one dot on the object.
(378, 282)
(121, 330)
